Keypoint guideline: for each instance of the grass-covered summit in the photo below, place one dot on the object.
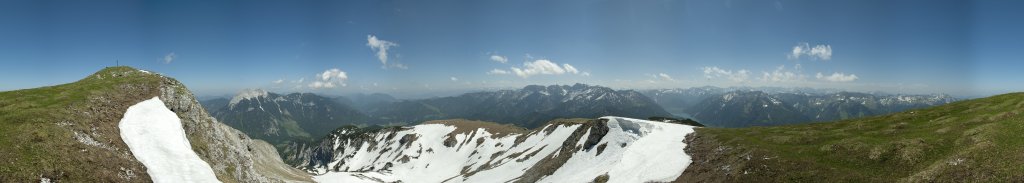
(976, 140)
(56, 132)
(69, 132)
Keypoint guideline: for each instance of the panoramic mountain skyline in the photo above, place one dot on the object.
(605, 91)
(395, 47)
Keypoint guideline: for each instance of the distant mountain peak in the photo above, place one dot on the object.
(247, 94)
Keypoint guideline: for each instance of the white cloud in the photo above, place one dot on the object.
(585, 74)
(781, 74)
(543, 67)
(570, 69)
(660, 76)
(665, 76)
(381, 47)
(714, 72)
(498, 72)
(330, 79)
(169, 57)
(454, 79)
(499, 59)
(818, 52)
(654, 78)
(837, 77)
(279, 81)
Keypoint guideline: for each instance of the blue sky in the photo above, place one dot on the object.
(335, 47)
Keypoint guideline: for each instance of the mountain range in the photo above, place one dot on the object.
(529, 107)
(743, 107)
(304, 117)
(966, 141)
(281, 118)
(127, 125)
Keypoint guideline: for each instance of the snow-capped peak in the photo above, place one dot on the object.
(247, 94)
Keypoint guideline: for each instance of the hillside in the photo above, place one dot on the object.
(71, 133)
(608, 149)
(968, 141)
(278, 118)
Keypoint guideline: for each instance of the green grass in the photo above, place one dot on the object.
(979, 140)
(292, 128)
(37, 128)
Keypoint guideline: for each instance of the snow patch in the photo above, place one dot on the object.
(653, 153)
(354, 177)
(155, 136)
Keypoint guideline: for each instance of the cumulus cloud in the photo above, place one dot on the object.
(381, 47)
(781, 74)
(499, 59)
(714, 72)
(837, 77)
(279, 81)
(498, 72)
(665, 76)
(570, 69)
(660, 76)
(543, 67)
(329, 79)
(818, 52)
(169, 57)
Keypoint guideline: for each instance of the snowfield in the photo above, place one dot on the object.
(635, 151)
(653, 152)
(156, 138)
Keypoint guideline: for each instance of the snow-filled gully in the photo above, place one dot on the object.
(155, 136)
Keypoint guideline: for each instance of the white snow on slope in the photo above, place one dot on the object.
(352, 177)
(653, 152)
(637, 151)
(156, 138)
(431, 161)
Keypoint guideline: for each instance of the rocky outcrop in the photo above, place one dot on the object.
(227, 150)
(75, 137)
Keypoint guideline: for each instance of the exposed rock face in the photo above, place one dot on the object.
(224, 148)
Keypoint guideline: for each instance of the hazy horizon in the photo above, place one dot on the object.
(410, 48)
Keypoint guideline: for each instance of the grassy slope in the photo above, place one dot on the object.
(37, 129)
(977, 140)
